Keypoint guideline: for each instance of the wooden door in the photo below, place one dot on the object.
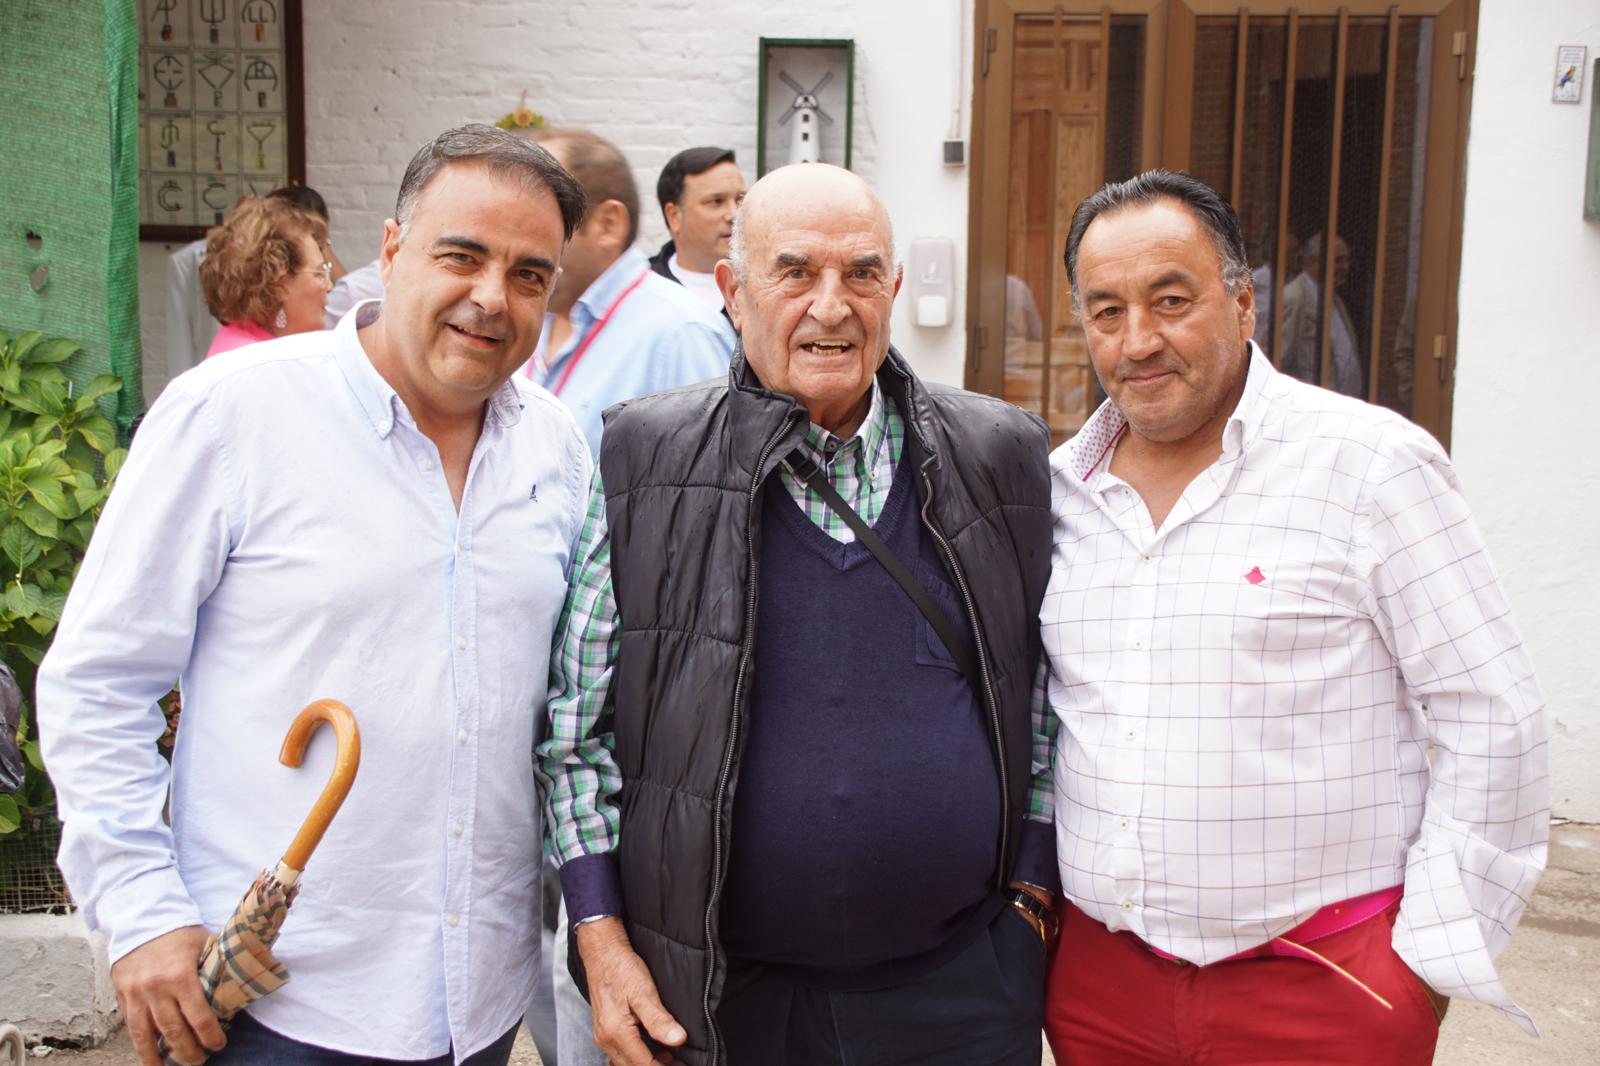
(1314, 118)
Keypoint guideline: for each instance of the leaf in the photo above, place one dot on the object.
(25, 600)
(39, 520)
(21, 545)
(54, 350)
(99, 432)
(10, 816)
(54, 603)
(51, 496)
(114, 461)
(30, 751)
(23, 343)
(102, 385)
(6, 415)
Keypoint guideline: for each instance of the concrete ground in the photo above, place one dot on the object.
(1551, 967)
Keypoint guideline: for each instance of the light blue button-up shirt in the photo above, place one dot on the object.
(282, 532)
(659, 337)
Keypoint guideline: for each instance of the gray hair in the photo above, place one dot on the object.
(506, 155)
(1208, 206)
(739, 255)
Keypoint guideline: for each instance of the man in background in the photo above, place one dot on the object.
(616, 329)
(699, 190)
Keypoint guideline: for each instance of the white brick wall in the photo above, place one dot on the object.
(383, 76)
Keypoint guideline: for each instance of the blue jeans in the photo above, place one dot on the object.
(252, 1044)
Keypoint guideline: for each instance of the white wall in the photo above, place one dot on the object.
(654, 76)
(1528, 367)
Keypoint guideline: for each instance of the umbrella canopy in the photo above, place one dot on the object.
(237, 966)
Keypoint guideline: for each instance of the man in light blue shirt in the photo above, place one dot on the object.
(380, 514)
(616, 329)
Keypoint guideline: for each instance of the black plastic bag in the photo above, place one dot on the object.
(11, 764)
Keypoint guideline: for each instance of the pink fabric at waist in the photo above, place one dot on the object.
(1334, 918)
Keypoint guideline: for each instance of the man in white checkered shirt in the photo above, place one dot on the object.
(1301, 795)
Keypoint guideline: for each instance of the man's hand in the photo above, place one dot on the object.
(158, 991)
(623, 996)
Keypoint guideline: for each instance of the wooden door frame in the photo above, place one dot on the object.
(1169, 40)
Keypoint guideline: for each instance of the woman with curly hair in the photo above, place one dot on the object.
(266, 272)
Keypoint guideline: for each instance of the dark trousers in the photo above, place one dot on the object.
(985, 1005)
(1112, 1002)
(252, 1044)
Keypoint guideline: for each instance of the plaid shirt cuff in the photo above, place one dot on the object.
(591, 887)
(1036, 856)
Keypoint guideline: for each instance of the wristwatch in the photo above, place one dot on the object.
(1043, 918)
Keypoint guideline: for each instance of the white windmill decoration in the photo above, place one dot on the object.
(805, 139)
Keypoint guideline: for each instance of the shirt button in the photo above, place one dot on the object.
(455, 919)
(427, 464)
(462, 736)
(458, 829)
(1124, 823)
(1127, 905)
(1138, 644)
(1128, 734)
(461, 642)
(1146, 558)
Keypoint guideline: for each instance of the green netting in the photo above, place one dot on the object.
(69, 141)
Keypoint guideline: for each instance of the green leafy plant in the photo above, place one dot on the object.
(58, 458)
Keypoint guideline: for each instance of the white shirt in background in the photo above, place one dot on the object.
(704, 286)
(190, 327)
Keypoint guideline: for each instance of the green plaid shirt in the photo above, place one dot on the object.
(574, 764)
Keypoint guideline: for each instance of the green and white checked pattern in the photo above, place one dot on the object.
(574, 764)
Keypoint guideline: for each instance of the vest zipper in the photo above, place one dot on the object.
(733, 735)
(990, 703)
(992, 706)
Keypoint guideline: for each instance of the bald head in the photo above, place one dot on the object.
(803, 190)
(810, 283)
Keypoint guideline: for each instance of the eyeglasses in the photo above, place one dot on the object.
(326, 270)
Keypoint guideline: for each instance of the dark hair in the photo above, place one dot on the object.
(303, 197)
(505, 154)
(686, 164)
(1208, 206)
(600, 168)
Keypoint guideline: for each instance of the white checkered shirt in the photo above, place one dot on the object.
(1249, 694)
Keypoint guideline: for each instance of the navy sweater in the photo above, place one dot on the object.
(866, 817)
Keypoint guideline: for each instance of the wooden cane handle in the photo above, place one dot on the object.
(346, 761)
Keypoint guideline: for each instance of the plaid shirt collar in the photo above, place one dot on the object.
(867, 447)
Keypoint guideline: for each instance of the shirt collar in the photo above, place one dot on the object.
(1088, 449)
(604, 290)
(378, 400)
(870, 434)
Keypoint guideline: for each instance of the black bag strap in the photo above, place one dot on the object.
(808, 471)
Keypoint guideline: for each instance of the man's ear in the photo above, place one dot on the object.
(387, 251)
(899, 276)
(728, 282)
(674, 215)
(609, 221)
(1245, 301)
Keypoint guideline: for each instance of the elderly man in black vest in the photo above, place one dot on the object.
(801, 796)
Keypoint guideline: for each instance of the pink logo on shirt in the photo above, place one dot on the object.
(1255, 576)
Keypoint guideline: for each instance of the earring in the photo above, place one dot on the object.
(282, 321)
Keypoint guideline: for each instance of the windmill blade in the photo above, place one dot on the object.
(827, 76)
(787, 115)
(783, 76)
(823, 115)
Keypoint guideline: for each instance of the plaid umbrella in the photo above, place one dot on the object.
(237, 966)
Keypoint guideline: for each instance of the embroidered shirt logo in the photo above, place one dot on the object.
(1255, 576)
(533, 493)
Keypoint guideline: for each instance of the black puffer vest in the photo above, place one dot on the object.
(682, 472)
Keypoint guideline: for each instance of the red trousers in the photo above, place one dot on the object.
(1110, 1001)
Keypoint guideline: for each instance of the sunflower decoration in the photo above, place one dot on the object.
(522, 118)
